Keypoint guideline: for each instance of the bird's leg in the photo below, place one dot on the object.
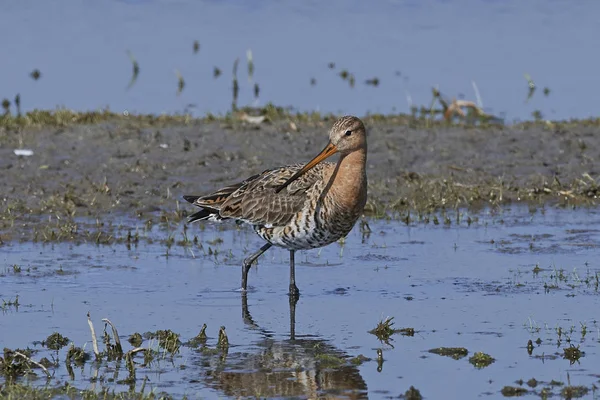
(294, 292)
(248, 263)
(293, 301)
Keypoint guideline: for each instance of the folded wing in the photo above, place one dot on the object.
(255, 201)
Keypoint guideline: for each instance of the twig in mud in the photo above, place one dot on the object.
(118, 346)
(37, 364)
(94, 338)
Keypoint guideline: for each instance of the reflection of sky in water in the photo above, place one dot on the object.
(452, 285)
(80, 47)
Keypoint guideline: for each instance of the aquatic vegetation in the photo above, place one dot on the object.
(10, 303)
(546, 390)
(167, 339)
(481, 360)
(513, 391)
(572, 353)
(574, 392)
(412, 394)
(55, 341)
(385, 329)
(223, 341)
(329, 361)
(17, 363)
(135, 339)
(453, 352)
(77, 355)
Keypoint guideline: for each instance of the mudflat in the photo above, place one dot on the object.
(140, 167)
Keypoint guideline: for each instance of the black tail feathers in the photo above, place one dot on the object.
(191, 199)
(201, 215)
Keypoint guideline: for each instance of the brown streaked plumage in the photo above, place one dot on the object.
(298, 206)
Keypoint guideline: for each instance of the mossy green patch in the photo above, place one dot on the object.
(77, 355)
(167, 339)
(481, 360)
(135, 339)
(385, 329)
(513, 391)
(55, 341)
(412, 394)
(453, 352)
(574, 392)
(572, 353)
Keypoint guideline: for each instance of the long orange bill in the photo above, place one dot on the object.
(328, 151)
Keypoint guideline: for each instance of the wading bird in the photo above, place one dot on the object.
(298, 207)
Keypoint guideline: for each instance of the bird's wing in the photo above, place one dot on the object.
(215, 200)
(256, 202)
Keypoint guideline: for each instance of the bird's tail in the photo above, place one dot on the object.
(211, 203)
(205, 213)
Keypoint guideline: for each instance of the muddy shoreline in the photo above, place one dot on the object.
(139, 167)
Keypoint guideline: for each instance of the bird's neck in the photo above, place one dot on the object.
(349, 186)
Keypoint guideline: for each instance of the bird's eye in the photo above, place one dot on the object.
(348, 133)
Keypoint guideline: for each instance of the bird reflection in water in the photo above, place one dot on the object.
(306, 367)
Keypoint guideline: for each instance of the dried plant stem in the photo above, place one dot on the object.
(94, 338)
(118, 346)
(33, 362)
(134, 351)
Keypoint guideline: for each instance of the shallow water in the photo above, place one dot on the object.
(410, 46)
(457, 286)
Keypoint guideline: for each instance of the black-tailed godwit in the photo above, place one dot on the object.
(298, 207)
